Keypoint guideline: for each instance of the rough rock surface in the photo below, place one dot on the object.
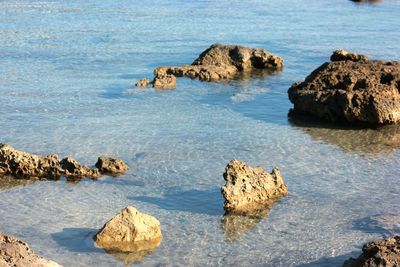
(365, 92)
(248, 188)
(340, 55)
(20, 164)
(14, 252)
(224, 62)
(143, 82)
(164, 81)
(130, 231)
(384, 252)
(111, 166)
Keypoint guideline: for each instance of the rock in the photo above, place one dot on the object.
(130, 231)
(365, 92)
(111, 166)
(20, 164)
(384, 252)
(166, 81)
(224, 62)
(248, 188)
(143, 82)
(340, 55)
(14, 252)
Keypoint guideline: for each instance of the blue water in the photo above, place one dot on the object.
(67, 70)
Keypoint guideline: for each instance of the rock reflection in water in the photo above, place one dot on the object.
(235, 224)
(383, 140)
(8, 182)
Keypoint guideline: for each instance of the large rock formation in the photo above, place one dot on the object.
(219, 62)
(350, 89)
(248, 188)
(24, 165)
(14, 252)
(130, 231)
(384, 252)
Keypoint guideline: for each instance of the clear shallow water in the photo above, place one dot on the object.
(66, 82)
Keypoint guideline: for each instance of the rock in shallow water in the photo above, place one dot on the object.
(351, 90)
(248, 188)
(130, 231)
(111, 166)
(384, 252)
(14, 252)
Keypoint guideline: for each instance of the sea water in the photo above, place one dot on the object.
(67, 70)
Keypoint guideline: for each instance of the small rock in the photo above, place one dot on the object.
(340, 55)
(143, 82)
(14, 252)
(384, 252)
(166, 81)
(248, 188)
(113, 166)
(74, 169)
(130, 231)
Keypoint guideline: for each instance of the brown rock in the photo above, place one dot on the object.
(14, 252)
(113, 166)
(248, 188)
(384, 252)
(363, 92)
(72, 168)
(130, 231)
(166, 81)
(143, 82)
(340, 55)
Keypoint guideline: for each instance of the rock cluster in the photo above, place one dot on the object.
(130, 231)
(384, 252)
(350, 89)
(14, 252)
(248, 188)
(24, 165)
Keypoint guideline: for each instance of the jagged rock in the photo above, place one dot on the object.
(166, 81)
(384, 252)
(248, 188)
(14, 252)
(143, 82)
(20, 164)
(365, 92)
(111, 166)
(224, 62)
(340, 55)
(130, 231)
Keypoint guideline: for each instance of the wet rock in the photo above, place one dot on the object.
(365, 92)
(130, 231)
(143, 82)
(111, 166)
(165, 81)
(72, 168)
(340, 55)
(14, 252)
(224, 62)
(248, 188)
(384, 252)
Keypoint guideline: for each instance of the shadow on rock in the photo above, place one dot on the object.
(383, 140)
(193, 201)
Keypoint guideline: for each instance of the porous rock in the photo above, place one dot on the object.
(164, 81)
(352, 90)
(380, 253)
(14, 252)
(143, 82)
(130, 231)
(248, 188)
(340, 55)
(111, 166)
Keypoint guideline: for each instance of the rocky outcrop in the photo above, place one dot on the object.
(14, 252)
(352, 90)
(20, 164)
(143, 82)
(164, 81)
(384, 252)
(248, 188)
(111, 166)
(130, 231)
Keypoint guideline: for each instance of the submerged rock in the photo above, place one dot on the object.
(14, 252)
(164, 81)
(130, 231)
(248, 188)
(353, 90)
(111, 166)
(143, 82)
(20, 164)
(384, 252)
